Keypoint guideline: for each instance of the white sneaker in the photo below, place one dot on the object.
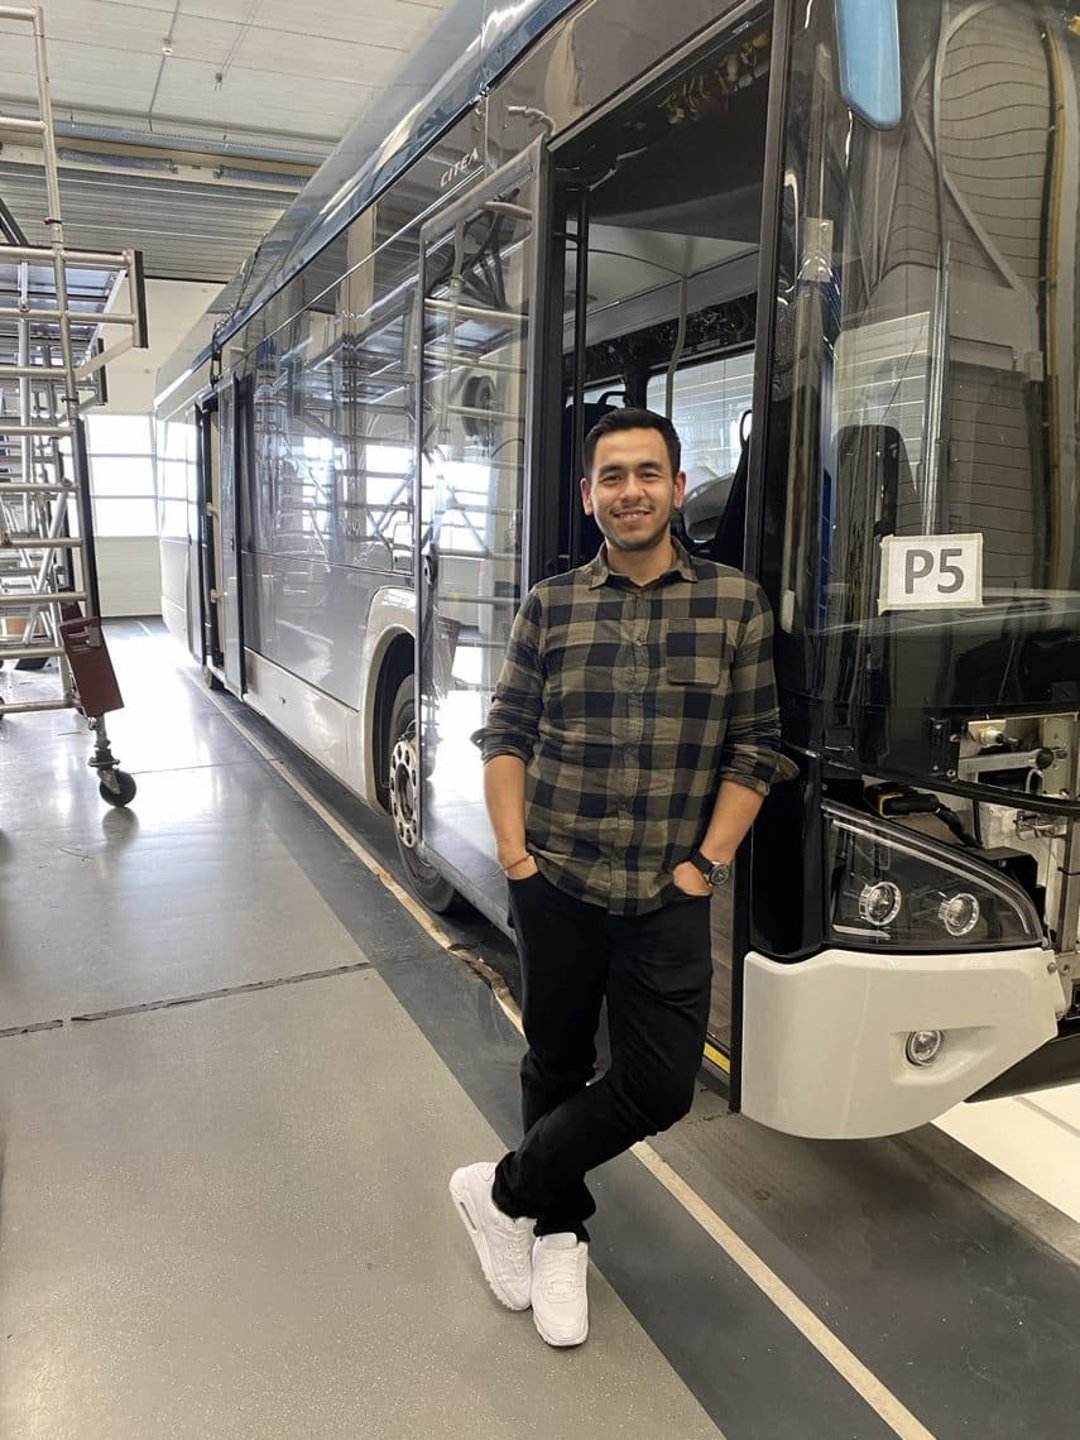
(560, 1301)
(503, 1245)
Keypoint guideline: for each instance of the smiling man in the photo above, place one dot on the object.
(632, 738)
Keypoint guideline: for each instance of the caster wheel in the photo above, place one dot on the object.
(124, 791)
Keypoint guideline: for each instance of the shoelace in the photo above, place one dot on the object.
(562, 1271)
(518, 1247)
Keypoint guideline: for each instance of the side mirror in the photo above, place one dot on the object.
(868, 44)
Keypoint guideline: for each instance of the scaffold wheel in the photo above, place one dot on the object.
(118, 788)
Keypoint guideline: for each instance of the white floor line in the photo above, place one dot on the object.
(415, 909)
(846, 1364)
(1035, 1139)
(861, 1379)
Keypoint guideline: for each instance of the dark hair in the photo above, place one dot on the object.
(633, 419)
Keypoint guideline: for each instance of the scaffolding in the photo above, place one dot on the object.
(57, 306)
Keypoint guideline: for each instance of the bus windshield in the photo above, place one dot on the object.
(926, 342)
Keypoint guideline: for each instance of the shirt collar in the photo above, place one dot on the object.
(599, 572)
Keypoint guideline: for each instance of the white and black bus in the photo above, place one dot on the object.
(838, 243)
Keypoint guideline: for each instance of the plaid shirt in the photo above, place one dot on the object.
(629, 705)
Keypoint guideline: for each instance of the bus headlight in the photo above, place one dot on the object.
(879, 903)
(959, 913)
(891, 888)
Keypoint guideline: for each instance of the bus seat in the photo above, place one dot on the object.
(729, 542)
(875, 454)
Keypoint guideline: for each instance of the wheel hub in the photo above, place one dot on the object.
(403, 790)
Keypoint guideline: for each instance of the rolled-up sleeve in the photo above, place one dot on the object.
(513, 720)
(751, 750)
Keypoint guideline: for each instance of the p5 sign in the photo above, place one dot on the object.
(931, 572)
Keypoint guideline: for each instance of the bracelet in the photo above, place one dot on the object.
(515, 863)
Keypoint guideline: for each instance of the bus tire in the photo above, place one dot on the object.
(427, 884)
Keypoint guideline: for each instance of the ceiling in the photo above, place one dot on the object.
(185, 127)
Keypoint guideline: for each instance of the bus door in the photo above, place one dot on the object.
(673, 253)
(234, 418)
(208, 536)
(481, 324)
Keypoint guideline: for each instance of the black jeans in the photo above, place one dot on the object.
(655, 971)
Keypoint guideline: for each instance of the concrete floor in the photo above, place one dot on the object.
(235, 1075)
(230, 1218)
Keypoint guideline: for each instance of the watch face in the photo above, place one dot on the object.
(715, 872)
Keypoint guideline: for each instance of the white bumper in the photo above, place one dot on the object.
(823, 1046)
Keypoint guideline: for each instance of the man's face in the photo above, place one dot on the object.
(632, 491)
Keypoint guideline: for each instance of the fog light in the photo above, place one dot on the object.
(879, 904)
(959, 913)
(923, 1046)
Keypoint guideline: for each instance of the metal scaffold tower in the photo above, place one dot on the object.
(56, 308)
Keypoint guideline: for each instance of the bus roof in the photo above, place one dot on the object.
(470, 46)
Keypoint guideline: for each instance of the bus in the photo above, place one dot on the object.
(837, 243)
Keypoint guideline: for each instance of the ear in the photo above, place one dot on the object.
(679, 484)
(586, 495)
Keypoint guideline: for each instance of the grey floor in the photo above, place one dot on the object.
(234, 1075)
(229, 1218)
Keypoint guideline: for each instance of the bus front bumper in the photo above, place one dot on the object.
(825, 1041)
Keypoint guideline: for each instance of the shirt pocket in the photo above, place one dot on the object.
(696, 657)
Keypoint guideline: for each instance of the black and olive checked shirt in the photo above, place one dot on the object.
(629, 705)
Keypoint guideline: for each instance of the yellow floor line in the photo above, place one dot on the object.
(718, 1058)
(833, 1350)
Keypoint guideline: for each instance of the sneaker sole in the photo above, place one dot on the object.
(463, 1201)
(562, 1344)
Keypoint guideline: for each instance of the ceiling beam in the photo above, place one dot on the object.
(227, 171)
(279, 147)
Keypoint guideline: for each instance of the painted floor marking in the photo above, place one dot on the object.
(828, 1345)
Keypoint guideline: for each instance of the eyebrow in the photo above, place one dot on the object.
(614, 468)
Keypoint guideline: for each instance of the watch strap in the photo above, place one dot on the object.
(709, 868)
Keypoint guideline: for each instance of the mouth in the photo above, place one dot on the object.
(632, 514)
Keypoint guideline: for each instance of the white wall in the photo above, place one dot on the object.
(129, 570)
(172, 307)
(129, 575)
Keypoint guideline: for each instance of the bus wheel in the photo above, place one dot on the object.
(433, 889)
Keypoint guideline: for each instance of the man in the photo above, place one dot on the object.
(632, 738)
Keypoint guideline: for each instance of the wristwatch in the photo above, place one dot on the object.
(716, 872)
